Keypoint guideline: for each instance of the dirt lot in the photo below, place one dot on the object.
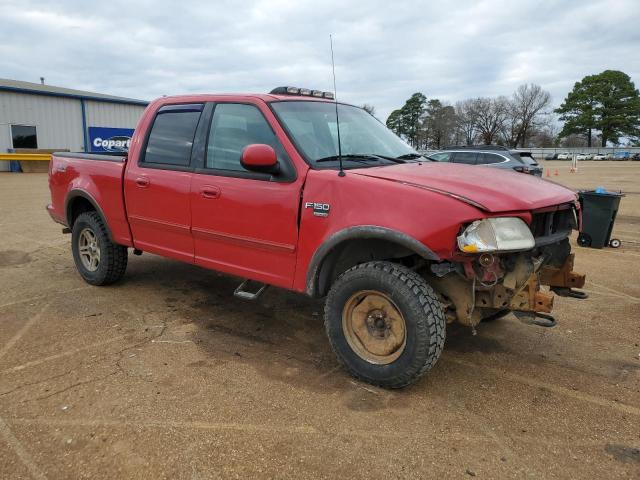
(166, 375)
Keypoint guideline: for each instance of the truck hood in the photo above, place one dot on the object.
(490, 189)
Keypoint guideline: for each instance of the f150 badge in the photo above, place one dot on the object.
(319, 209)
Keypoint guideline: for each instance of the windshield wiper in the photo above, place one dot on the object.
(349, 156)
(409, 156)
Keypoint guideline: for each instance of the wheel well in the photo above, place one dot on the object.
(77, 206)
(352, 252)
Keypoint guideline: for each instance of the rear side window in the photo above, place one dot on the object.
(171, 136)
(465, 157)
(487, 158)
(233, 127)
(527, 159)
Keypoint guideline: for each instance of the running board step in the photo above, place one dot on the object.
(240, 292)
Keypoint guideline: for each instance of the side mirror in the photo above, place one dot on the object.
(259, 157)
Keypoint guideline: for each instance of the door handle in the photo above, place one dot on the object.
(209, 191)
(142, 182)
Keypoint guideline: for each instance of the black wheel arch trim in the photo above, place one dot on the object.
(77, 193)
(361, 232)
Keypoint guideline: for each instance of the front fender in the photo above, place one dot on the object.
(361, 232)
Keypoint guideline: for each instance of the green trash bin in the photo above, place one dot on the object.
(599, 210)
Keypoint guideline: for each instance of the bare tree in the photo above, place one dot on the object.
(574, 140)
(528, 104)
(466, 121)
(491, 115)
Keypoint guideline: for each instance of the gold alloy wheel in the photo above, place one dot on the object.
(374, 327)
(89, 249)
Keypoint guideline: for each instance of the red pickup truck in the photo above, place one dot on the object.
(252, 185)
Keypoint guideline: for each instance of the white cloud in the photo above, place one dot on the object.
(385, 51)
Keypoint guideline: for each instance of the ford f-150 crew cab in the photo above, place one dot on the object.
(251, 185)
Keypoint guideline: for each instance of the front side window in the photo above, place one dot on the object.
(233, 127)
(24, 136)
(313, 128)
(171, 137)
(441, 157)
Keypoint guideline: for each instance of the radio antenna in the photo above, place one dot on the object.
(335, 99)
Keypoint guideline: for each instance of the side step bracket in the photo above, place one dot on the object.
(242, 293)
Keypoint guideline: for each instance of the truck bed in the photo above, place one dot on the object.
(103, 157)
(97, 178)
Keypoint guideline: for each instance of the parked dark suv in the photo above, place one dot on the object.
(490, 156)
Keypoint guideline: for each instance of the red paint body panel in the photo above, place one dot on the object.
(159, 211)
(250, 229)
(261, 229)
(497, 190)
(102, 181)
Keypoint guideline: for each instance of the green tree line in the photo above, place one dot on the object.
(602, 109)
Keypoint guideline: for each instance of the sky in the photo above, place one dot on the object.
(384, 50)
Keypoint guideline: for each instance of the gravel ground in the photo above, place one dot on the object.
(166, 375)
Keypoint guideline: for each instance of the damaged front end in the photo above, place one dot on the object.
(480, 285)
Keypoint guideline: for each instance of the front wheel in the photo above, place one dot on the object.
(384, 323)
(98, 260)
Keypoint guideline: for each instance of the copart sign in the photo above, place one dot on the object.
(104, 139)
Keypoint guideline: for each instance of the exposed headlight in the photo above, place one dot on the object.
(496, 234)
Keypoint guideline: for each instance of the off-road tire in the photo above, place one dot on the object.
(424, 319)
(113, 257)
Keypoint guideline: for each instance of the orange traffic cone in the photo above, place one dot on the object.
(556, 172)
(548, 173)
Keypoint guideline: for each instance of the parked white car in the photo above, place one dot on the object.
(582, 156)
(600, 156)
(564, 156)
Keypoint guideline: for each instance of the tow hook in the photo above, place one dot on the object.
(536, 318)
(563, 280)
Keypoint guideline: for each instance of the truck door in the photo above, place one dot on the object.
(244, 223)
(157, 188)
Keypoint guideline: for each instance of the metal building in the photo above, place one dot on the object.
(39, 116)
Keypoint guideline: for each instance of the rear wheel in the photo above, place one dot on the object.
(384, 323)
(98, 260)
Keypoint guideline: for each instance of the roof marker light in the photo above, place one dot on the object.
(316, 93)
(328, 95)
(305, 91)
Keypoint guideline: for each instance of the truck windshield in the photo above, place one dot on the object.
(364, 140)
